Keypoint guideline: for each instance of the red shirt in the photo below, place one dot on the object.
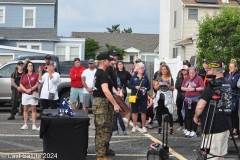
(75, 76)
(33, 79)
(195, 83)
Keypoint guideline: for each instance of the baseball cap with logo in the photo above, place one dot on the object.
(215, 64)
(20, 63)
(91, 61)
(48, 57)
(103, 56)
(112, 53)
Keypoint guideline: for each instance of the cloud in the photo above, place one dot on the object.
(94, 16)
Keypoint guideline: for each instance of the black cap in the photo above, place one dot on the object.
(138, 60)
(112, 53)
(48, 57)
(162, 63)
(20, 62)
(205, 61)
(103, 56)
(215, 64)
(186, 63)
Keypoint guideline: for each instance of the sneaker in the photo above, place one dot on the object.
(180, 128)
(38, 129)
(11, 117)
(150, 126)
(125, 133)
(144, 130)
(34, 127)
(184, 131)
(115, 132)
(24, 127)
(171, 131)
(187, 134)
(133, 129)
(159, 130)
(192, 134)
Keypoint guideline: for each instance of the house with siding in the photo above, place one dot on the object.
(144, 46)
(29, 27)
(178, 25)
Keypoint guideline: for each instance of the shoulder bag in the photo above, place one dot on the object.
(133, 98)
(35, 95)
(50, 95)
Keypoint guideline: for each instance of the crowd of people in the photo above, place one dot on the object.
(95, 88)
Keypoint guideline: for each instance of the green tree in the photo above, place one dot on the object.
(121, 52)
(219, 35)
(90, 47)
(129, 30)
(114, 29)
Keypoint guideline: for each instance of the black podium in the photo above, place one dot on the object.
(63, 136)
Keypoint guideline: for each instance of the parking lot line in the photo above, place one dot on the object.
(172, 152)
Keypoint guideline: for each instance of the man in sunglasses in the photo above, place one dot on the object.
(87, 81)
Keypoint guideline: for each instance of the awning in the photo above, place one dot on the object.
(184, 42)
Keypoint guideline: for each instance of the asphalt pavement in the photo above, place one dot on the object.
(15, 142)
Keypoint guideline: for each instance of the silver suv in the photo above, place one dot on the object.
(6, 71)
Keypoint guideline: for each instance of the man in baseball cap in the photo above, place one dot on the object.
(202, 72)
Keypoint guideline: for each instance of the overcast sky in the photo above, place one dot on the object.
(95, 15)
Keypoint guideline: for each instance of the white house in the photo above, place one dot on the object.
(178, 25)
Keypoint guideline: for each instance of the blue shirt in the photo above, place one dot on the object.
(135, 81)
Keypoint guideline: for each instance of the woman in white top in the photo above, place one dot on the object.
(49, 93)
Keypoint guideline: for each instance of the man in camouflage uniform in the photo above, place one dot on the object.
(16, 90)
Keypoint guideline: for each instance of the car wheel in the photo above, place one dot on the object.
(66, 95)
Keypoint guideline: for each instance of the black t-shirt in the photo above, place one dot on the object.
(17, 77)
(101, 77)
(202, 73)
(124, 77)
(113, 76)
(219, 124)
(155, 75)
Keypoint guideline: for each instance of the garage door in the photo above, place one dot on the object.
(5, 58)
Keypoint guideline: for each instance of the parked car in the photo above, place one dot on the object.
(62, 67)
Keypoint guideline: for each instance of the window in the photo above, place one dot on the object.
(131, 58)
(175, 19)
(74, 52)
(150, 58)
(2, 14)
(193, 14)
(175, 52)
(60, 52)
(36, 46)
(29, 17)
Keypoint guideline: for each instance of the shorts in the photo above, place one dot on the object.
(87, 99)
(28, 100)
(75, 93)
(139, 106)
(219, 145)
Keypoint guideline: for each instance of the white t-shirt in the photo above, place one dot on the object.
(89, 74)
(53, 85)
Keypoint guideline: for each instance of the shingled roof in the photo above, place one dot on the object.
(231, 2)
(30, 1)
(29, 33)
(142, 42)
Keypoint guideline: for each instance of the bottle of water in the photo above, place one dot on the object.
(118, 82)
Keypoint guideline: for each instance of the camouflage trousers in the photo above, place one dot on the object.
(113, 120)
(103, 123)
(15, 100)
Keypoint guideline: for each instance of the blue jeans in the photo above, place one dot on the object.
(120, 120)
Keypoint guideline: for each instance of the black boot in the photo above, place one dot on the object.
(11, 117)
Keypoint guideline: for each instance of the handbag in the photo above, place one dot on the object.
(35, 95)
(133, 98)
(50, 95)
